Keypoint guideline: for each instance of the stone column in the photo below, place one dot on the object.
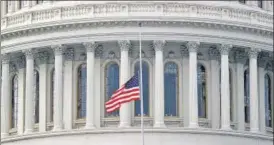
(29, 119)
(214, 88)
(159, 84)
(193, 94)
(5, 97)
(58, 87)
(225, 91)
(42, 61)
(21, 94)
(253, 3)
(261, 74)
(254, 110)
(185, 83)
(16, 5)
(125, 110)
(68, 93)
(3, 8)
(90, 48)
(240, 59)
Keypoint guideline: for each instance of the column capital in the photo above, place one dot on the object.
(21, 62)
(159, 45)
(192, 46)
(184, 51)
(90, 46)
(253, 52)
(262, 63)
(58, 49)
(42, 57)
(240, 56)
(213, 53)
(224, 49)
(5, 58)
(124, 45)
(69, 54)
(29, 53)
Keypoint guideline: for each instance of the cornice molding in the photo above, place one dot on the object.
(52, 27)
(132, 36)
(36, 135)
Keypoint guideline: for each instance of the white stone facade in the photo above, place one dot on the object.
(51, 40)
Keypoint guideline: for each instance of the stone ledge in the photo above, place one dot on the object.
(36, 135)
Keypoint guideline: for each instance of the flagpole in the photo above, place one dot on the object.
(141, 86)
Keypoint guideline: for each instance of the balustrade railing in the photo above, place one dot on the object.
(131, 10)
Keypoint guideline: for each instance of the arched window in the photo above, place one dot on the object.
(82, 91)
(36, 96)
(246, 93)
(268, 110)
(145, 78)
(14, 104)
(111, 83)
(171, 89)
(52, 75)
(202, 97)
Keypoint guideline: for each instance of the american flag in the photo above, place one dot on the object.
(128, 92)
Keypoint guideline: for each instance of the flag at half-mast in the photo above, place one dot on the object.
(126, 93)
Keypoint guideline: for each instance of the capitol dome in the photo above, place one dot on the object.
(207, 72)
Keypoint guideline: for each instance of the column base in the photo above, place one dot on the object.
(228, 128)
(159, 125)
(254, 130)
(28, 131)
(57, 128)
(4, 135)
(193, 125)
(124, 125)
(89, 126)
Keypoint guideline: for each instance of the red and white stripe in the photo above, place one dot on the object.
(121, 96)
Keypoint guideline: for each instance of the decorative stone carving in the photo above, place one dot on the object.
(158, 45)
(90, 46)
(262, 63)
(171, 54)
(253, 52)
(111, 55)
(42, 57)
(224, 49)
(99, 51)
(69, 54)
(124, 45)
(240, 56)
(12, 68)
(29, 53)
(213, 53)
(21, 62)
(5, 58)
(58, 49)
(193, 46)
(184, 51)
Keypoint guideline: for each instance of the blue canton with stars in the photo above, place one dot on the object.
(133, 82)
